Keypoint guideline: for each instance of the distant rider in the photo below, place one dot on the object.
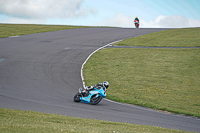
(136, 18)
(105, 86)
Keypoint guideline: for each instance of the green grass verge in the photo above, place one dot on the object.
(7, 30)
(189, 37)
(14, 121)
(165, 79)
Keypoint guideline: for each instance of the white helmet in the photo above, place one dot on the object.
(106, 84)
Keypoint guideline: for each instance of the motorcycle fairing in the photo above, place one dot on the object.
(95, 92)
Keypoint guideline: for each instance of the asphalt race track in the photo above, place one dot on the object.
(42, 72)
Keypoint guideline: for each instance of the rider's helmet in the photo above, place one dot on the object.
(106, 84)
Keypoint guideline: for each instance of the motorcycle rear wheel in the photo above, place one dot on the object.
(136, 26)
(95, 100)
(77, 97)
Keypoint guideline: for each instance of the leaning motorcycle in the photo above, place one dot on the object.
(136, 22)
(93, 96)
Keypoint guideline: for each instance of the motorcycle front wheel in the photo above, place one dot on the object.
(95, 100)
(77, 97)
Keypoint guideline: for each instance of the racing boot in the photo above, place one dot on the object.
(82, 91)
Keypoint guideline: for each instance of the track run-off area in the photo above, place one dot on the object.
(42, 72)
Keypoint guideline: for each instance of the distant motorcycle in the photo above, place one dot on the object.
(136, 22)
(93, 96)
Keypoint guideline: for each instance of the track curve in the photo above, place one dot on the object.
(41, 72)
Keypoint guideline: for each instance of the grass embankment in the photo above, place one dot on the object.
(189, 37)
(12, 121)
(7, 30)
(165, 79)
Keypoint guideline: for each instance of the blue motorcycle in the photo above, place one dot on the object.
(93, 96)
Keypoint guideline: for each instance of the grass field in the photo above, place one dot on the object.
(189, 37)
(164, 79)
(14, 121)
(7, 30)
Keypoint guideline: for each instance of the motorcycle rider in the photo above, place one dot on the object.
(136, 18)
(105, 86)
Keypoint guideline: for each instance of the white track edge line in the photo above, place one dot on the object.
(89, 58)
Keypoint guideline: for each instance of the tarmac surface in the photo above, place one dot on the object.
(42, 72)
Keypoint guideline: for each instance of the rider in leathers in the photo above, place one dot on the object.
(105, 86)
(136, 18)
